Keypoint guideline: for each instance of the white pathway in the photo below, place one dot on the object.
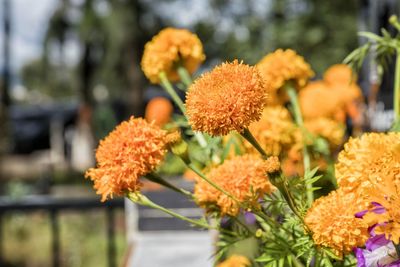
(172, 249)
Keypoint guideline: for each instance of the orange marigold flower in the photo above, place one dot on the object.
(159, 110)
(167, 49)
(333, 224)
(386, 194)
(244, 177)
(328, 129)
(340, 77)
(228, 98)
(368, 160)
(339, 74)
(133, 149)
(235, 261)
(318, 100)
(281, 66)
(274, 131)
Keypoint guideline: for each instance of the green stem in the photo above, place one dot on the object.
(185, 76)
(299, 121)
(178, 101)
(296, 261)
(275, 178)
(157, 179)
(143, 200)
(396, 98)
(250, 138)
(328, 262)
(171, 91)
(202, 176)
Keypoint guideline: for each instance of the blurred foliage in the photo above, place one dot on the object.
(111, 35)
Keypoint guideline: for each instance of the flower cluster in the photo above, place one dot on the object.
(244, 177)
(169, 48)
(368, 171)
(264, 193)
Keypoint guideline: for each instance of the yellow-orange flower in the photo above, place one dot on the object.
(167, 49)
(281, 66)
(159, 110)
(133, 149)
(274, 131)
(333, 224)
(244, 177)
(339, 74)
(228, 98)
(331, 130)
(318, 100)
(368, 160)
(235, 261)
(341, 79)
(386, 194)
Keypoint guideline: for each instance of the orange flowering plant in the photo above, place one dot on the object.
(259, 143)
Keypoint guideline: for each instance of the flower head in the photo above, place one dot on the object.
(167, 49)
(340, 78)
(368, 160)
(133, 149)
(235, 261)
(159, 110)
(281, 66)
(318, 100)
(228, 98)
(333, 224)
(339, 74)
(244, 177)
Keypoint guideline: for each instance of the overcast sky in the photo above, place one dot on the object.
(29, 24)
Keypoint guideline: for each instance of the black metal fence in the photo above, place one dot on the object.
(54, 206)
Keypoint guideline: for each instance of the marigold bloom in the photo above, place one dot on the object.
(159, 110)
(235, 261)
(228, 98)
(341, 79)
(387, 194)
(329, 129)
(244, 177)
(133, 149)
(274, 131)
(333, 224)
(368, 160)
(318, 100)
(281, 66)
(167, 49)
(339, 74)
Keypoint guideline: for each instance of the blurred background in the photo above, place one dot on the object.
(70, 71)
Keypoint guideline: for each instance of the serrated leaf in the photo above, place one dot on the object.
(313, 180)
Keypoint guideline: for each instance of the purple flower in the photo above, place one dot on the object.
(379, 252)
(250, 218)
(378, 209)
